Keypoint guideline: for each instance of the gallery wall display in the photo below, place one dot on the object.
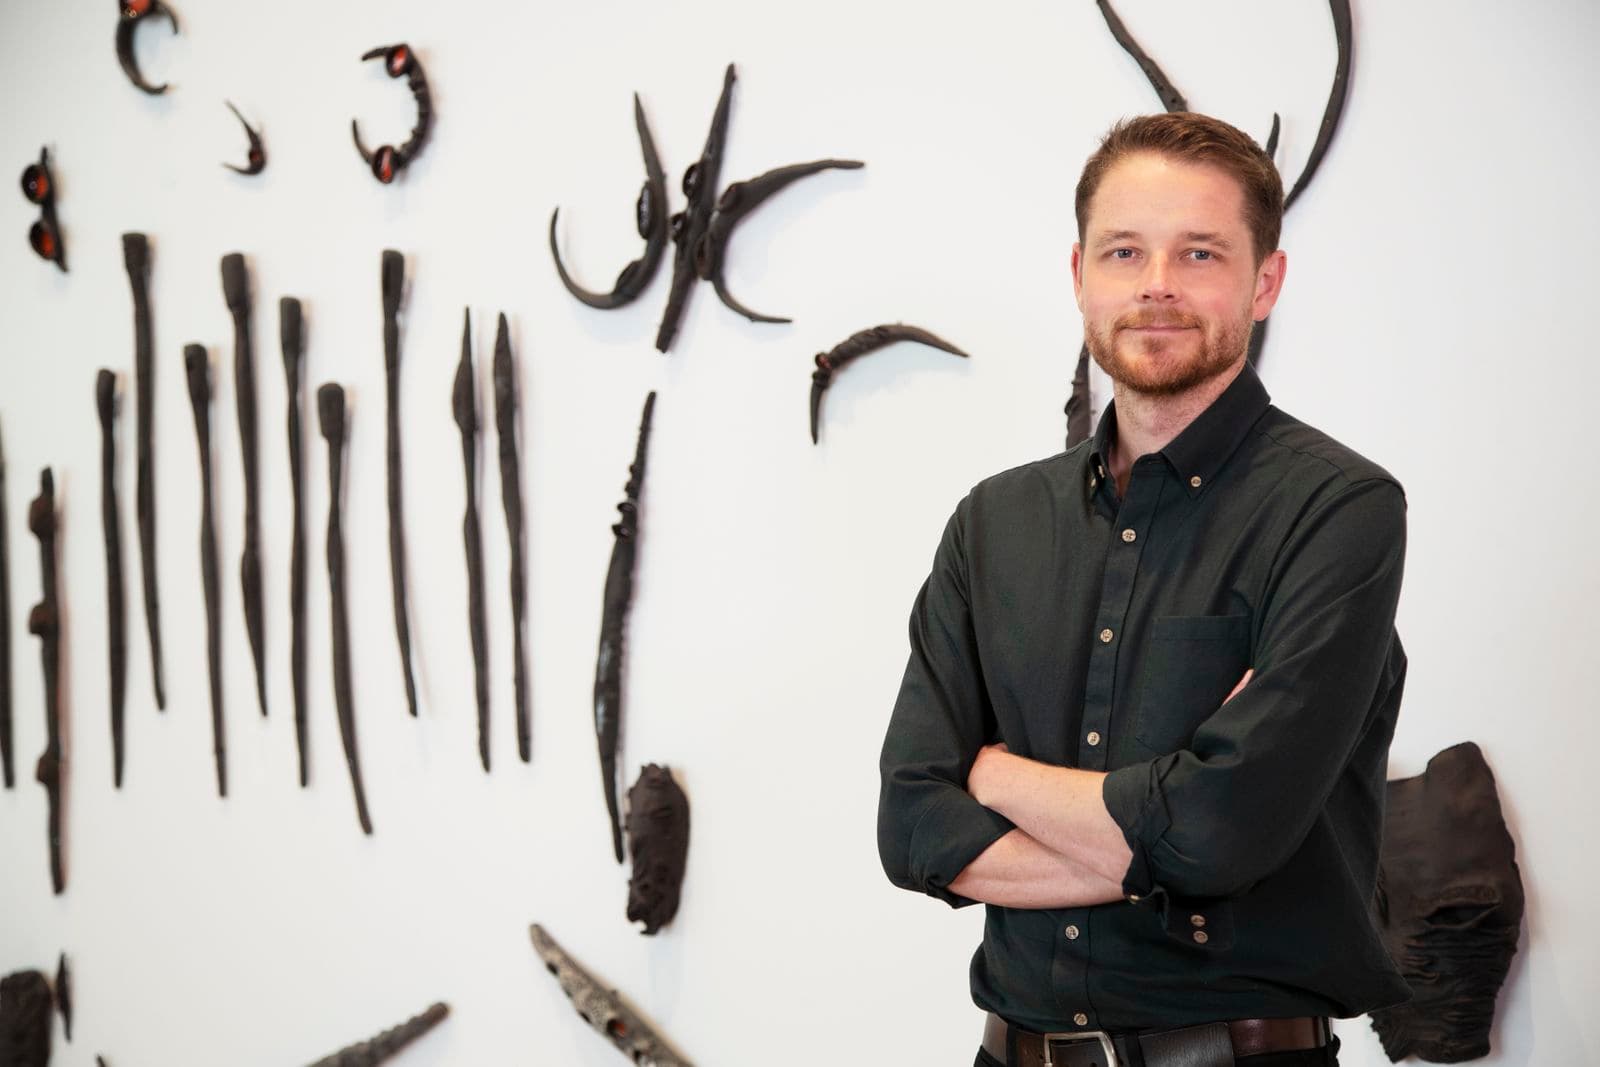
(134, 13)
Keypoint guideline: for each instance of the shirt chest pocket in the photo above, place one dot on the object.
(1190, 665)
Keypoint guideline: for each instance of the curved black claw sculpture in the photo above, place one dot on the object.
(39, 186)
(651, 217)
(256, 157)
(690, 225)
(737, 201)
(133, 13)
(388, 161)
(857, 345)
(105, 402)
(198, 367)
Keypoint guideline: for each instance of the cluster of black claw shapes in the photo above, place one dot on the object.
(40, 189)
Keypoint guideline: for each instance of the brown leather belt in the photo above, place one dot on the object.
(1190, 1046)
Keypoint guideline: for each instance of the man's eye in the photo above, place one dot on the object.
(1202, 254)
(1122, 253)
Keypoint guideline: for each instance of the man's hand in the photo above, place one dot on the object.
(984, 779)
(1247, 676)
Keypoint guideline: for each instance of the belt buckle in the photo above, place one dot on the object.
(1079, 1038)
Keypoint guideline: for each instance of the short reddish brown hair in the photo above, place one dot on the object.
(1195, 138)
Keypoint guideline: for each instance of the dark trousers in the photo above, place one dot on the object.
(1327, 1056)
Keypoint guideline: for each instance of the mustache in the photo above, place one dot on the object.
(1134, 320)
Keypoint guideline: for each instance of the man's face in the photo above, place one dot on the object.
(1166, 278)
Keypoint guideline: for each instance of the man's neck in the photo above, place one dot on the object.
(1148, 422)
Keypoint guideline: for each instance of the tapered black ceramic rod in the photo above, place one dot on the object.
(1334, 110)
(44, 622)
(7, 761)
(857, 345)
(64, 994)
(505, 421)
(133, 13)
(291, 335)
(464, 403)
(603, 1008)
(256, 158)
(387, 1044)
(197, 366)
(651, 217)
(394, 280)
(737, 201)
(1171, 99)
(330, 413)
(1077, 409)
(617, 599)
(136, 257)
(236, 289)
(691, 224)
(105, 402)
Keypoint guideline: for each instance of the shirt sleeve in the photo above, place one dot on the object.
(929, 827)
(1213, 819)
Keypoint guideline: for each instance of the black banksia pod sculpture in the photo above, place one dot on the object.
(44, 622)
(387, 1044)
(105, 402)
(658, 841)
(25, 1005)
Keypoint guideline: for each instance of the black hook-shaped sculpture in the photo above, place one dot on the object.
(44, 622)
(7, 765)
(690, 225)
(197, 366)
(388, 161)
(658, 841)
(136, 258)
(331, 417)
(651, 217)
(291, 337)
(394, 282)
(505, 421)
(133, 13)
(25, 1004)
(391, 1041)
(256, 158)
(64, 995)
(105, 402)
(236, 290)
(857, 345)
(618, 597)
(39, 186)
(464, 405)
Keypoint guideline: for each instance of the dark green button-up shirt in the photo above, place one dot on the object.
(1084, 630)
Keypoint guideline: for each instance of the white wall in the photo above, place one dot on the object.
(1436, 317)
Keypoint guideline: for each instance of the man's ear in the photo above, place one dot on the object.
(1269, 284)
(1077, 274)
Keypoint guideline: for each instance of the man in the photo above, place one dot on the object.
(1153, 680)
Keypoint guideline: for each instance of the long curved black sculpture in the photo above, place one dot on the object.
(464, 406)
(7, 760)
(505, 421)
(44, 622)
(136, 258)
(291, 337)
(373, 1052)
(393, 270)
(105, 402)
(857, 345)
(197, 365)
(388, 161)
(256, 156)
(133, 13)
(236, 290)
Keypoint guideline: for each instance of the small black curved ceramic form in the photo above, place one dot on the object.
(388, 161)
(256, 157)
(658, 841)
(136, 258)
(394, 282)
(857, 345)
(618, 597)
(25, 1006)
(44, 622)
(737, 201)
(387, 1044)
(505, 421)
(7, 759)
(44, 236)
(331, 418)
(689, 226)
(133, 13)
(291, 336)
(197, 366)
(236, 290)
(105, 402)
(603, 1008)
(464, 405)
(64, 995)
(651, 217)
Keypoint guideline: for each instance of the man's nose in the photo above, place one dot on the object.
(1156, 283)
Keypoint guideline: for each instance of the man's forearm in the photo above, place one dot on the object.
(1059, 807)
(1019, 872)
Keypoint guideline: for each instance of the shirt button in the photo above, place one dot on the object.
(1195, 481)
(1200, 937)
(1093, 738)
(1197, 921)
(1134, 898)
(1105, 636)
(1129, 537)
(1081, 1019)
(1072, 933)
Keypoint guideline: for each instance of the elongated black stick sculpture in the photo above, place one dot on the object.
(330, 413)
(1334, 109)
(617, 599)
(133, 13)
(394, 281)
(25, 1019)
(1171, 99)
(464, 403)
(388, 161)
(44, 622)
(737, 201)
(291, 336)
(651, 216)
(391, 1041)
(136, 257)
(236, 289)
(256, 158)
(505, 421)
(105, 401)
(658, 841)
(690, 225)
(64, 995)
(603, 1008)
(197, 365)
(857, 345)
(7, 764)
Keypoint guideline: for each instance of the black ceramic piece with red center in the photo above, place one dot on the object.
(133, 12)
(40, 188)
(387, 161)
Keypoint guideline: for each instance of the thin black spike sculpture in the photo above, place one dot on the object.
(64, 995)
(291, 336)
(44, 622)
(197, 366)
(690, 226)
(1171, 99)
(331, 417)
(857, 345)
(394, 281)
(105, 402)
(505, 421)
(136, 258)
(391, 1041)
(7, 764)
(617, 599)
(464, 403)
(236, 289)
